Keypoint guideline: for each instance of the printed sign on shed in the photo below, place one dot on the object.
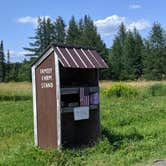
(46, 78)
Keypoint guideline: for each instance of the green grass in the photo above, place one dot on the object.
(133, 132)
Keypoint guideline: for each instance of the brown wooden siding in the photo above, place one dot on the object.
(46, 106)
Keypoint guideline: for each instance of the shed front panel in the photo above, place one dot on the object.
(46, 103)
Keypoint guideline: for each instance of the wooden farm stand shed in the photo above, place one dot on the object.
(65, 96)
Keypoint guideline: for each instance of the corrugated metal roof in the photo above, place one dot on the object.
(79, 57)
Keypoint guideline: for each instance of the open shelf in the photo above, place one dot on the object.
(76, 90)
(70, 109)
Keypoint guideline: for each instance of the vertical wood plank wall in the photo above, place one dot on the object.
(46, 107)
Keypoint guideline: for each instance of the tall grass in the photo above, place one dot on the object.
(15, 91)
(139, 84)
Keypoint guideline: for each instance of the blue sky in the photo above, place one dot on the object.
(18, 17)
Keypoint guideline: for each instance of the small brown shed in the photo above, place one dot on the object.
(66, 96)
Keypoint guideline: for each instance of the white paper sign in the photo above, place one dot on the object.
(81, 113)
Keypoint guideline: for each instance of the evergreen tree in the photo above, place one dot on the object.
(138, 63)
(128, 59)
(122, 34)
(14, 71)
(126, 55)
(7, 67)
(59, 30)
(48, 32)
(44, 35)
(154, 54)
(132, 56)
(117, 54)
(24, 72)
(80, 32)
(2, 62)
(35, 46)
(116, 59)
(90, 38)
(72, 32)
(89, 34)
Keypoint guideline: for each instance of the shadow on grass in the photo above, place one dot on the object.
(15, 98)
(116, 140)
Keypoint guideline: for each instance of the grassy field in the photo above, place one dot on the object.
(133, 129)
(106, 84)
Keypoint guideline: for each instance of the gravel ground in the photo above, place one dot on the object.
(159, 163)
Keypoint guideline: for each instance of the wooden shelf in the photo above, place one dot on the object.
(70, 109)
(76, 90)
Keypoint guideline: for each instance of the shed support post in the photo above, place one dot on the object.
(34, 106)
(57, 76)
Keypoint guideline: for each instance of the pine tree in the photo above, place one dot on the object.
(89, 37)
(24, 72)
(59, 30)
(117, 54)
(44, 35)
(128, 59)
(14, 72)
(80, 32)
(7, 66)
(138, 63)
(115, 59)
(154, 53)
(48, 34)
(89, 34)
(122, 34)
(35, 46)
(2, 62)
(72, 32)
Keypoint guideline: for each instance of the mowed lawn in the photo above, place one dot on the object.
(133, 130)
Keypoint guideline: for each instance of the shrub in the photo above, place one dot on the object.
(157, 90)
(120, 90)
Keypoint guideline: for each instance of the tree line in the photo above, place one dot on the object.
(81, 33)
(9, 71)
(130, 57)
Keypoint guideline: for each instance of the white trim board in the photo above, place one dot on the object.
(44, 56)
(34, 92)
(57, 80)
(34, 105)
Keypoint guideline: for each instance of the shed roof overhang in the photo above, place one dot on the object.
(77, 57)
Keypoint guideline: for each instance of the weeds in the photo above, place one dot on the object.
(157, 90)
(121, 90)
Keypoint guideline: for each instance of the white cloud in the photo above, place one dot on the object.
(109, 25)
(135, 6)
(139, 24)
(29, 19)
